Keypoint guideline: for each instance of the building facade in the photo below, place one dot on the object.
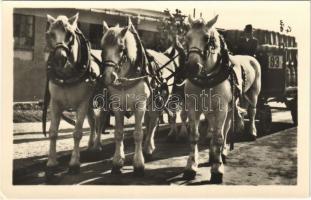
(30, 53)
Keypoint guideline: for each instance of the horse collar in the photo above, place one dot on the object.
(221, 73)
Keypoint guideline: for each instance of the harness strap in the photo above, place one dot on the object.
(167, 63)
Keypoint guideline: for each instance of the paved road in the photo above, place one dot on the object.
(272, 159)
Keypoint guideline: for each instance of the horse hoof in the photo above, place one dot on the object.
(139, 171)
(116, 170)
(189, 174)
(216, 178)
(224, 158)
(75, 169)
(50, 176)
(147, 157)
(253, 137)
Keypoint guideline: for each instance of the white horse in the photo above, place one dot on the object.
(210, 92)
(130, 81)
(71, 83)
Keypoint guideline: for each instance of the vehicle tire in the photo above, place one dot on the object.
(265, 120)
(292, 106)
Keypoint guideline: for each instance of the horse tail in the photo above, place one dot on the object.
(46, 102)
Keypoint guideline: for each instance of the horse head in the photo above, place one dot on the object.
(119, 51)
(61, 38)
(203, 46)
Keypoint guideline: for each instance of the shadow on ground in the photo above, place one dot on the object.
(95, 166)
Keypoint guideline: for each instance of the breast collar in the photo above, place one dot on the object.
(81, 67)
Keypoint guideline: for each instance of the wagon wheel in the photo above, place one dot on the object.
(265, 119)
(292, 106)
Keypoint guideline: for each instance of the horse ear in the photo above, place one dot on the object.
(210, 23)
(124, 31)
(74, 21)
(105, 27)
(51, 19)
(190, 20)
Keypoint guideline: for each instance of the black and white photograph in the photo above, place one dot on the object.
(199, 94)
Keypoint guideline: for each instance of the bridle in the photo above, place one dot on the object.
(209, 49)
(65, 46)
(117, 66)
(222, 58)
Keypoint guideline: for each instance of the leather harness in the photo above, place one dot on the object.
(222, 72)
(82, 69)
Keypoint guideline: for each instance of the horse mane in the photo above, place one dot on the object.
(131, 46)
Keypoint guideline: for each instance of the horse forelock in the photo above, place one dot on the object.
(198, 24)
(62, 22)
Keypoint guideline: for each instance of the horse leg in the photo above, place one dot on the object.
(171, 137)
(138, 161)
(74, 164)
(91, 120)
(210, 129)
(227, 127)
(183, 135)
(216, 146)
(100, 118)
(252, 96)
(192, 163)
(53, 133)
(151, 121)
(118, 158)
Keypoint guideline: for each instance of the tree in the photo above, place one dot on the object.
(172, 27)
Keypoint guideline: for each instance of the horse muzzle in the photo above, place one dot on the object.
(193, 68)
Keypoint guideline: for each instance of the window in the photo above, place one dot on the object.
(95, 35)
(23, 31)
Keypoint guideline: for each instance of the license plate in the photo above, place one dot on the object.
(275, 62)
